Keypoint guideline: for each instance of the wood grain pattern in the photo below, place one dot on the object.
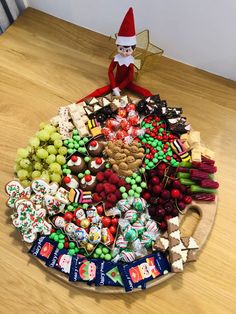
(45, 63)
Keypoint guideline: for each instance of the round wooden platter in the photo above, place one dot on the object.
(206, 212)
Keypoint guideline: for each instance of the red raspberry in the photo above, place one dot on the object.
(100, 176)
(108, 173)
(97, 198)
(111, 198)
(99, 187)
(108, 205)
(114, 179)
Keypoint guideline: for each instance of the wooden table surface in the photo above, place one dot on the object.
(46, 63)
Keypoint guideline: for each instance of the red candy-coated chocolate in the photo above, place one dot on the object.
(100, 210)
(114, 221)
(113, 229)
(68, 216)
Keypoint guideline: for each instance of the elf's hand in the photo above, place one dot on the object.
(116, 91)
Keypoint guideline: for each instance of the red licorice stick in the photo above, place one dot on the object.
(183, 169)
(208, 161)
(210, 184)
(204, 197)
(204, 167)
(196, 174)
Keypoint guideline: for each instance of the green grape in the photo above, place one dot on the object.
(22, 152)
(34, 142)
(38, 166)
(25, 163)
(50, 159)
(44, 135)
(42, 153)
(45, 176)
(35, 158)
(58, 143)
(42, 125)
(62, 150)
(50, 128)
(17, 167)
(22, 174)
(55, 177)
(25, 183)
(36, 174)
(55, 167)
(55, 136)
(29, 149)
(61, 159)
(51, 149)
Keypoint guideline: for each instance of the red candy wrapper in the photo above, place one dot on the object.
(125, 125)
(131, 107)
(122, 112)
(121, 134)
(112, 124)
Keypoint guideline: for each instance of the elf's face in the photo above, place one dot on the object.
(125, 51)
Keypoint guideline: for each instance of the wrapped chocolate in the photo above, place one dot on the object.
(94, 235)
(121, 242)
(139, 204)
(131, 215)
(127, 256)
(123, 223)
(139, 227)
(146, 240)
(123, 205)
(152, 229)
(106, 236)
(130, 234)
(138, 248)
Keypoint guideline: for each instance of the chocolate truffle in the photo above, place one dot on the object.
(88, 183)
(70, 182)
(96, 164)
(95, 148)
(76, 164)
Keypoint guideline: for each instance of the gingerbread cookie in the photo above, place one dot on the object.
(15, 191)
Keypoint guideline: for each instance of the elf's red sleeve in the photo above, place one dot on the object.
(129, 77)
(111, 74)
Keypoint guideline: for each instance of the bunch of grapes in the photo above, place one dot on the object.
(42, 158)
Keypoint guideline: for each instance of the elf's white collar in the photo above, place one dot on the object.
(124, 60)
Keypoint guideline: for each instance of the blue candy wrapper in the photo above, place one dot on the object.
(108, 275)
(83, 269)
(43, 248)
(60, 260)
(143, 270)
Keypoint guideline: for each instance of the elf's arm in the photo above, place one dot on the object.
(111, 74)
(129, 77)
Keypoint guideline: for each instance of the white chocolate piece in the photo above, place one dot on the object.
(194, 138)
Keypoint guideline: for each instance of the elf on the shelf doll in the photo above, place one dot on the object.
(123, 62)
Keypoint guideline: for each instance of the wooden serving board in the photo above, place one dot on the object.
(207, 213)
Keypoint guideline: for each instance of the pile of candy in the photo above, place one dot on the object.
(101, 188)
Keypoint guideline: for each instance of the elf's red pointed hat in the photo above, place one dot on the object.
(126, 35)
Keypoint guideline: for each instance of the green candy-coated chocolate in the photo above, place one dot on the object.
(81, 143)
(105, 250)
(132, 181)
(80, 175)
(134, 187)
(150, 164)
(75, 132)
(58, 231)
(61, 236)
(85, 139)
(136, 195)
(87, 159)
(71, 252)
(60, 245)
(122, 189)
(55, 238)
(70, 207)
(95, 255)
(71, 245)
(98, 251)
(160, 153)
(76, 250)
(107, 165)
(139, 189)
(70, 151)
(76, 145)
(124, 195)
(138, 179)
(131, 193)
(85, 206)
(155, 160)
(159, 143)
(128, 180)
(70, 140)
(107, 257)
(134, 175)
(143, 185)
(87, 171)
